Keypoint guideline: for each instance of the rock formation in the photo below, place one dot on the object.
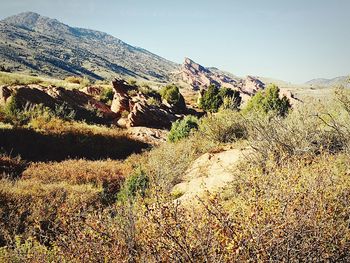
(198, 76)
(141, 111)
(52, 97)
(121, 98)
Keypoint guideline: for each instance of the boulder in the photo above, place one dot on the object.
(151, 116)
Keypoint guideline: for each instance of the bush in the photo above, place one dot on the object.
(107, 96)
(269, 101)
(213, 98)
(172, 95)
(136, 184)
(223, 127)
(182, 128)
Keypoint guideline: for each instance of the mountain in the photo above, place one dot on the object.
(343, 80)
(36, 44)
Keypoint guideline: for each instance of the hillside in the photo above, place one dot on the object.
(39, 45)
(342, 80)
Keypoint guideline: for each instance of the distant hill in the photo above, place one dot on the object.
(343, 80)
(36, 44)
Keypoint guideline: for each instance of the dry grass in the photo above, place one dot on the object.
(79, 172)
(23, 79)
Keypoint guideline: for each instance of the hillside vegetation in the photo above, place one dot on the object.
(112, 198)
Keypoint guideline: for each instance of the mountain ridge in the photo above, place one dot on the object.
(41, 45)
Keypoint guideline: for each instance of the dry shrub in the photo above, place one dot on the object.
(30, 209)
(298, 211)
(11, 167)
(166, 164)
(223, 127)
(304, 130)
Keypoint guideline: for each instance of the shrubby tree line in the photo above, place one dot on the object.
(214, 100)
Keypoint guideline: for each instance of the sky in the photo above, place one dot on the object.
(291, 40)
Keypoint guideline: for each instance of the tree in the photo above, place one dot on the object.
(269, 101)
(172, 95)
(213, 98)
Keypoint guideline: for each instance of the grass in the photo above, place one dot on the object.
(23, 79)
(78, 172)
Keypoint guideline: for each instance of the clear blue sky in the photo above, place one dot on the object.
(293, 40)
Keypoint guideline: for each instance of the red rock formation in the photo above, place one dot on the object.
(252, 85)
(121, 98)
(52, 97)
(94, 91)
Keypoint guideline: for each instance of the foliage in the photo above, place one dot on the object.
(182, 128)
(213, 98)
(172, 95)
(269, 101)
(106, 96)
(223, 127)
(136, 184)
(11, 167)
(18, 79)
(69, 140)
(83, 82)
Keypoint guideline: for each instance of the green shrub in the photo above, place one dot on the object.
(107, 96)
(65, 112)
(182, 128)
(172, 95)
(213, 98)
(136, 184)
(269, 101)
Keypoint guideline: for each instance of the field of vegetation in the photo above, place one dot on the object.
(76, 192)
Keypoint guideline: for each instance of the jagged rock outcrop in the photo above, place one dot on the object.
(85, 106)
(198, 76)
(93, 91)
(142, 112)
(121, 99)
(152, 116)
(252, 85)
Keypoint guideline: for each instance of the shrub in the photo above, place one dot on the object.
(11, 167)
(172, 95)
(223, 127)
(269, 101)
(84, 82)
(182, 128)
(107, 96)
(64, 111)
(136, 184)
(213, 98)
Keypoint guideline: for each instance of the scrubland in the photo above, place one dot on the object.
(90, 194)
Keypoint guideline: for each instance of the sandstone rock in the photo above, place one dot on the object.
(93, 91)
(252, 85)
(198, 76)
(84, 105)
(121, 98)
(148, 135)
(151, 116)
